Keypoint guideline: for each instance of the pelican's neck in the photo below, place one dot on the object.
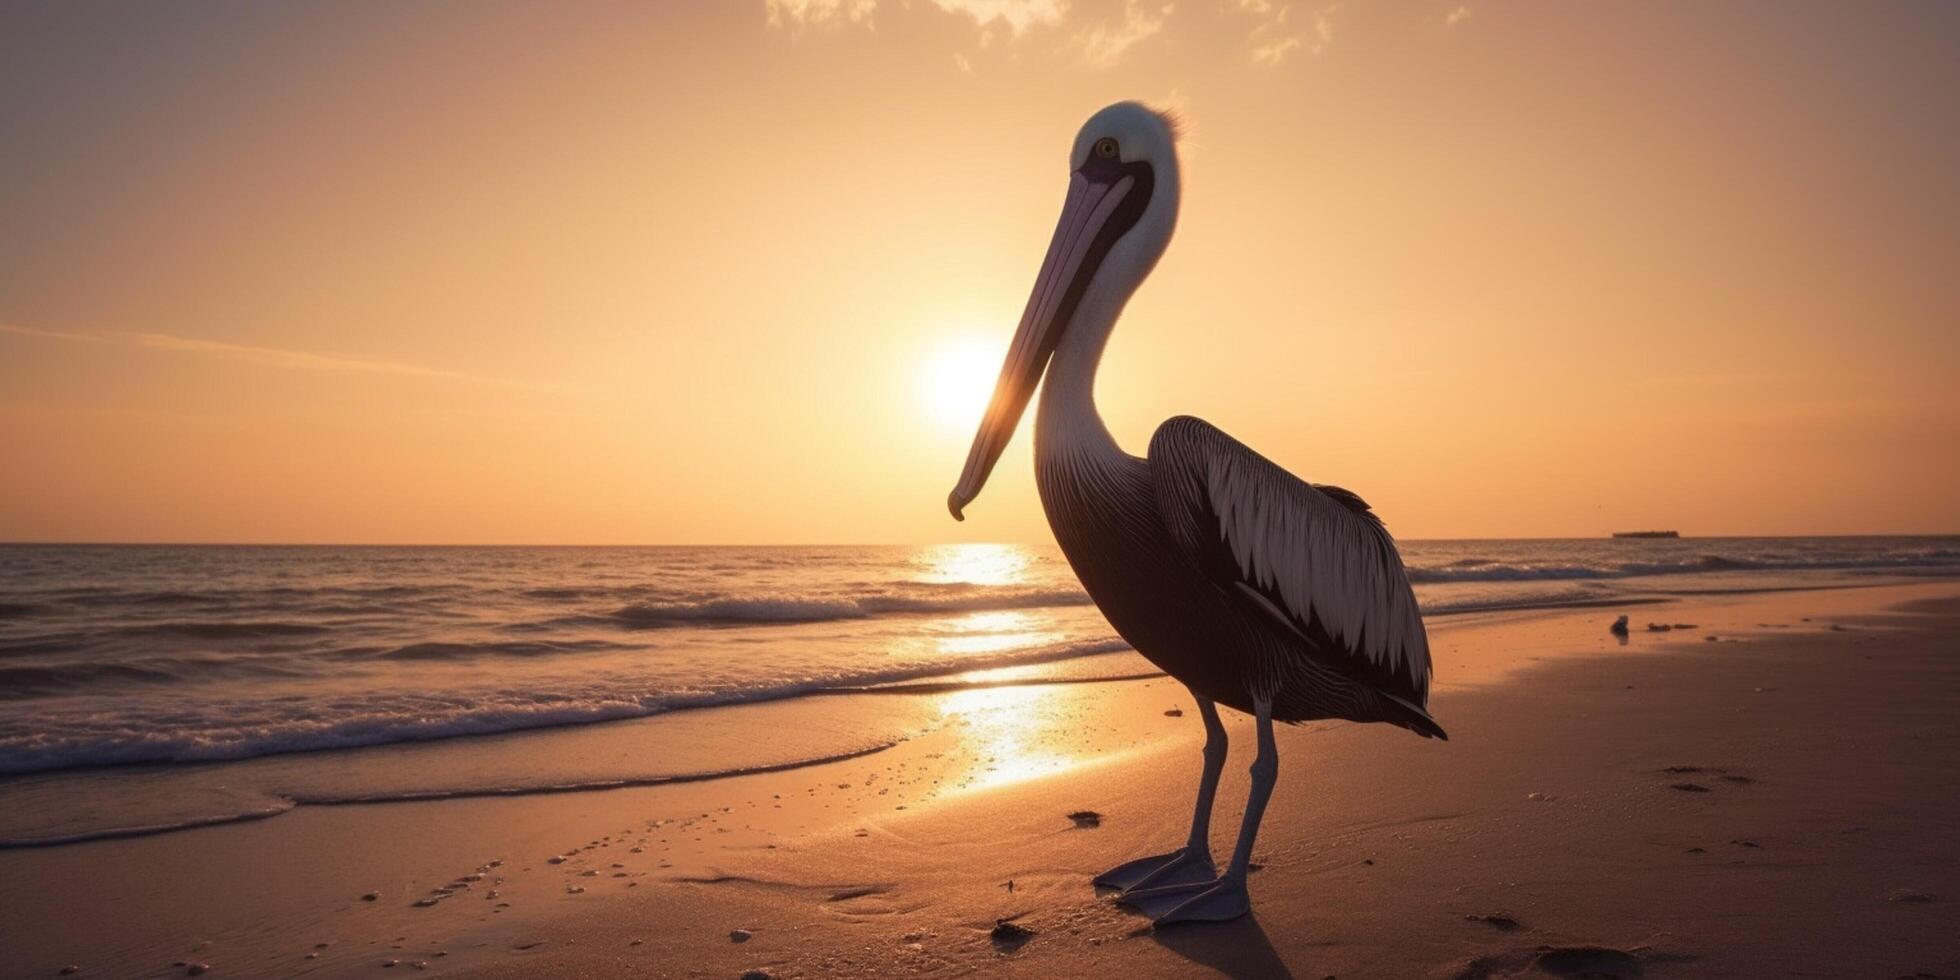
(1067, 419)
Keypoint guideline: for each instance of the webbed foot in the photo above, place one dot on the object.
(1225, 900)
(1182, 866)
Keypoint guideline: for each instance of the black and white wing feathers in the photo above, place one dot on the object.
(1314, 556)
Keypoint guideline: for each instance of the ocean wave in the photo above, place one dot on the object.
(225, 629)
(94, 596)
(229, 731)
(435, 650)
(976, 602)
(170, 599)
(43, 643)
(1481, 570)
(763, 610)
(31, 682)
(19, 683)
(785, 610)
(572, 592)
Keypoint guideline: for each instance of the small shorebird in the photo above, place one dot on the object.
(1258, 590)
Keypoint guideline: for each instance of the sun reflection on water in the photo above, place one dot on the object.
(975, 564)
(989, 632)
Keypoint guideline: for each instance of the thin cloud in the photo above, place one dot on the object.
(1105, 44)
(52, 334)
(1275, 51)
(1272, 38)
(1100, 34)
(277, 357)
(1277, 32)
(799, 13)
(1018, 15)
(1457, 16)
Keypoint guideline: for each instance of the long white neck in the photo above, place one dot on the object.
(1066, 419)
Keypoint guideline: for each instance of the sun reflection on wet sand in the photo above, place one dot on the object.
(1013, 734)
(975, 564)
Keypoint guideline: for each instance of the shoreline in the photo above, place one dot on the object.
(1044, 667)
(1003, 761)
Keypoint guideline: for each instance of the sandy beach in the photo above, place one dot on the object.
(1767, 793)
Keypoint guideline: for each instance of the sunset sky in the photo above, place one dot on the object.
(741, 272)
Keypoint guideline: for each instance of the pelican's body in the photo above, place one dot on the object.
(1257, 590)
(1226, 643)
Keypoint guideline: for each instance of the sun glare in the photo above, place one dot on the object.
(958, 380)
(973, 564)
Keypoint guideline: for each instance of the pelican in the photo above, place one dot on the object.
(1256, 589)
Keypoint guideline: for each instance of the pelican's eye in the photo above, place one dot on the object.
(1106, 148)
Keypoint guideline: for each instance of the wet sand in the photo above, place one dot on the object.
(1775, 802)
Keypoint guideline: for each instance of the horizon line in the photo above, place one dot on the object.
(25, 543)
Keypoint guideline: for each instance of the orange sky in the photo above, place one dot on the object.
(484, 273)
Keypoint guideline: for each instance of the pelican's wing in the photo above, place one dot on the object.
(1315, 557)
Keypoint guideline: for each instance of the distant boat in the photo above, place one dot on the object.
(1646, 534)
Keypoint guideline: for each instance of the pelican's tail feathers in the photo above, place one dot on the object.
(1400, 712)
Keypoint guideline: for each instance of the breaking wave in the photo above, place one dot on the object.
(792, 609)
(225, 729)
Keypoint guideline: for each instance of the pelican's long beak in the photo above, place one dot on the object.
(1065, 274)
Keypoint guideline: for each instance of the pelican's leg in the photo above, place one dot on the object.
(1192, 862)
(1226, 898)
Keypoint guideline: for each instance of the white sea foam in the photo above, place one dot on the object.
(227, 729)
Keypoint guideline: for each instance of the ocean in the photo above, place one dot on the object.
(137, 660)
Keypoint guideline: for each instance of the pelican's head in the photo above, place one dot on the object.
(1116, 220)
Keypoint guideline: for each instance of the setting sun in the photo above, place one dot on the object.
(957, 380)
